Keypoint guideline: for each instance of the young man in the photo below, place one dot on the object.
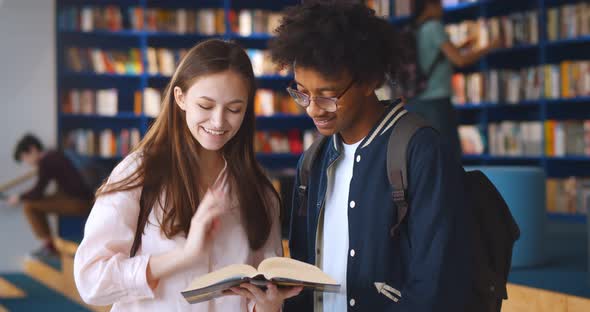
(73, 197)
(341, 53)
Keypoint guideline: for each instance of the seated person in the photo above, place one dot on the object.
(73, 197)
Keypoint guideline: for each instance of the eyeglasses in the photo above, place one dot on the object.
(329, 104)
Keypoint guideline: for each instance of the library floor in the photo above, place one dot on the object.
(19, 292)
(561, 283)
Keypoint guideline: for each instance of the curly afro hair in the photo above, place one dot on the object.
(333, 37)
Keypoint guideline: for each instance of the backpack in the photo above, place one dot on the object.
(412, 81)
(494, 229)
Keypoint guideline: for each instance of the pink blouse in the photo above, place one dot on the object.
(105, 274)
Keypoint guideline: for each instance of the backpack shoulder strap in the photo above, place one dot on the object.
(403, 131)
(309, 156)
(438, 59)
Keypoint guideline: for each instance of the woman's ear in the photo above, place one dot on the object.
(179, 98)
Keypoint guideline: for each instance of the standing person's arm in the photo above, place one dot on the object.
(436, 33)
(460, 60)
(438, 273)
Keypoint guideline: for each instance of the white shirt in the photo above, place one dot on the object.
(105, 274)
(335, 236)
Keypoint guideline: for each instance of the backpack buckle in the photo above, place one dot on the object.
(302, 189)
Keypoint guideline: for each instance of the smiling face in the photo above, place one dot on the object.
(214, 111)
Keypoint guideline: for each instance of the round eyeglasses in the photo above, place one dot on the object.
(329, 104)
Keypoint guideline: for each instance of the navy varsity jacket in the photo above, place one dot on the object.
(426, 265)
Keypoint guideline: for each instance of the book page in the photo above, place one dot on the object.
(286, 268)
(235, 271)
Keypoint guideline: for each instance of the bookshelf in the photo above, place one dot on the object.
(72, 31)
(482, 114)
(548, 48)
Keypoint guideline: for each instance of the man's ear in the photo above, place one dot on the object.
(179, 98)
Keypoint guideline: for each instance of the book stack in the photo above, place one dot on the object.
(148, 102)
(566, 80)
(268, 102)
(179, 21)
(292, 141)
(568, 21)
(248, 22)
(105, 143)
(104, 61)
(471, 140)
(263, 65)
(87, 102)
(519, 28)
(162, 61)
(568, 196)
(381, 7)
(567, 138)
(514, 138)
(90, 18)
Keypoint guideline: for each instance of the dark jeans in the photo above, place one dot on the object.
(442, 116)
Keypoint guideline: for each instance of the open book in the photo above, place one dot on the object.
(280, 271)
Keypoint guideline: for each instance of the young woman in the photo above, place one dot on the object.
(189, 200)
(437, 55)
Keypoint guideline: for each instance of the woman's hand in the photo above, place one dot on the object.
(204, 224)
(270, 300)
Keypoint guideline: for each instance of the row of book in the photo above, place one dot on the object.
(291, 142)
(567, 138)
(268, 102)
(568, 21)
(568, 196)
(248, 22)
(525, 138)
(111, 18)
(163, 61)
(553, 81)
(104, 61)
(160, 61)
(86, 101)
(180, 21)
(404, 8)
(515, 138)
(104, 102)
(518, 28)
(104, 143)
(90, 18)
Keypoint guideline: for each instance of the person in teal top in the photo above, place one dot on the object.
(438, 55)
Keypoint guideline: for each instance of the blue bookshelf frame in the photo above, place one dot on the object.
(480, 114)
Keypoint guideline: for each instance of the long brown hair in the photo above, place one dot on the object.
(169, 164)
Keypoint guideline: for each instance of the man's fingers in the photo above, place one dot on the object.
(243, 293)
